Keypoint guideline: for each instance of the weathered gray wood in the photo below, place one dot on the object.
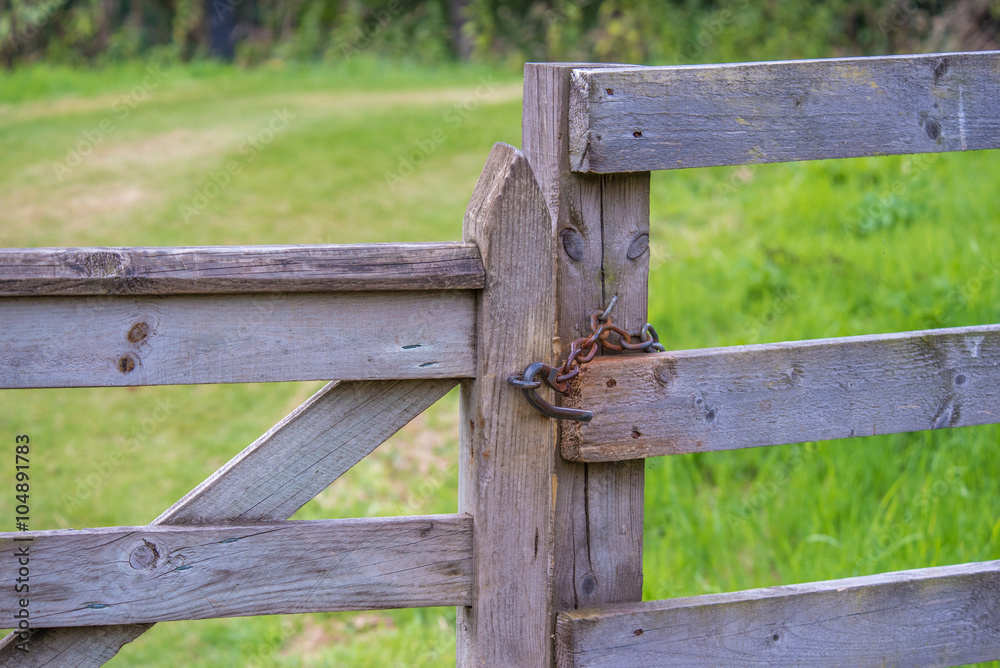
(943, 616)
(160, 340)
(507, 449)
(596, 220)
(267, 481)
(769, 394)
(613, 510)
(225, 269)
(71, 647)
(310, 448)
(645, 118)
(128, 575)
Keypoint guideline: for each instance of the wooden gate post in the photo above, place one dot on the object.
(601, 225)
(507, 448)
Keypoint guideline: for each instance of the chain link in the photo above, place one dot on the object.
(581, 351)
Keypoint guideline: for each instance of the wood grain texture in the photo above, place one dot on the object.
(162, 340)
(646, 118)
(304, 453)
(71, 647)
(129, 575)
(226, 269)
(596, 220)
(269, 480)
(944, 616)
(775, 393)
(507, 448)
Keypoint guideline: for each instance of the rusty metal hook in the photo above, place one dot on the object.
(528, 385)
(581, 351)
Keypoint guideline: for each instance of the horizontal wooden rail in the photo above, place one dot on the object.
(770, 394)
(943, 616)
(128, 575)
(163, 340)
(633, 119)
(226, 269)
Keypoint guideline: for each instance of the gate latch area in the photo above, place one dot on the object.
(581, 351)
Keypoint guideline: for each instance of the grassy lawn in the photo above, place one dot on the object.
(370, 153)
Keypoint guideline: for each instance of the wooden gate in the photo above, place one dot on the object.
(544, 557)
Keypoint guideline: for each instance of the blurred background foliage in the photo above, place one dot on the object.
(249, 32)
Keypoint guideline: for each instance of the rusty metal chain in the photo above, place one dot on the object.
(581, 351)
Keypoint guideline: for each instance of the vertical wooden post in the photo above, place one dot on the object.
(507, 448)
(601, 226)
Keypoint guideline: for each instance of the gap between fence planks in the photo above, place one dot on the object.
(776, 393)
(648, 118)
(163, 340)
(338, 426)
(128, 575)
(943, 616)
(34, 272)
(310, 448)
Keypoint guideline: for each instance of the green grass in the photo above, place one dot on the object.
(743, 255)
(784, 252)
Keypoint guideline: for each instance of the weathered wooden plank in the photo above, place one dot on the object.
(310, 448)
(71, 647)
(128, 575)
(161, 340)
(645, 118)
(944, 616)
(769, 394)
(269, 480)
(507, 449)
(226, 269)
(596, 220)
(613, 509)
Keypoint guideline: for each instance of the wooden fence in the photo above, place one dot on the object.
(544, 557)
